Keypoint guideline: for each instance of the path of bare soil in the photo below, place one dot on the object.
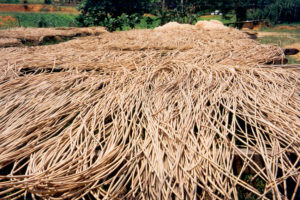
(7, 21)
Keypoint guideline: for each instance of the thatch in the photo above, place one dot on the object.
(10, 42)
(157, 47)
(167, 128)
(36, 36)
(211, 25)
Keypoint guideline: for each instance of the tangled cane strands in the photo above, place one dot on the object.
(155, 131)
(138, 48)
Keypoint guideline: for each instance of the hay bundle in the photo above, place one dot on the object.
(36, 36)
(150, 133)
(9, 42)
(136, 48)
(211, 25)
(174, 26)
(160, 130)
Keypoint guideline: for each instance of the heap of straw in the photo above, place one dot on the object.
(9, 42)
(37, 36)
(136, 48)
(180, 125)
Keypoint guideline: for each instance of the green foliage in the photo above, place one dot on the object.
(178, 14)
(292, 60)
(280, 40)
(277, 11)
(42, 22)
(256, 182)
(10, 1)
(113, 14)
(48, 1)
(42, 19)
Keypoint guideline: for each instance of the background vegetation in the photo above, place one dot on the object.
(63, 2)
(42, 19)
(116, 15)
(123, 15)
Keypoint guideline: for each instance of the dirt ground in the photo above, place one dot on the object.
(36, 8)
(7, 21)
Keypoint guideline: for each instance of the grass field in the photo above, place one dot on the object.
(42, 19)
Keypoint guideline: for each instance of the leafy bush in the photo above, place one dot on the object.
(279, 11)
(42, 23)
(48, 1)
(9, 1)
(113, 14)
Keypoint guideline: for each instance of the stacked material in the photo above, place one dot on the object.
(149, 114)
(36, 36)
(136, 48)
(10, 42)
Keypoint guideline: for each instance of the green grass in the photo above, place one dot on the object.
(292, 60)
(283, 37)
(48, 19)
(274, 28)
(280, 40)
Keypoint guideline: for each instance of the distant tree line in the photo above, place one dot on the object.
(114, 14)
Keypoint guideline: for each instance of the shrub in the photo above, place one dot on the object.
(43, 23)
(48, 1)
(279, 11)
(112, 14)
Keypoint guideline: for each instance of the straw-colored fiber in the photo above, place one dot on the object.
(154, 117)
(174, 26)
(36, 36)
(10, 42)
(211, 25)
(157, 47)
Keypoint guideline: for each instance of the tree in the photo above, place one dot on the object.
(276, 10)
(48, 1)
(112, 14)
